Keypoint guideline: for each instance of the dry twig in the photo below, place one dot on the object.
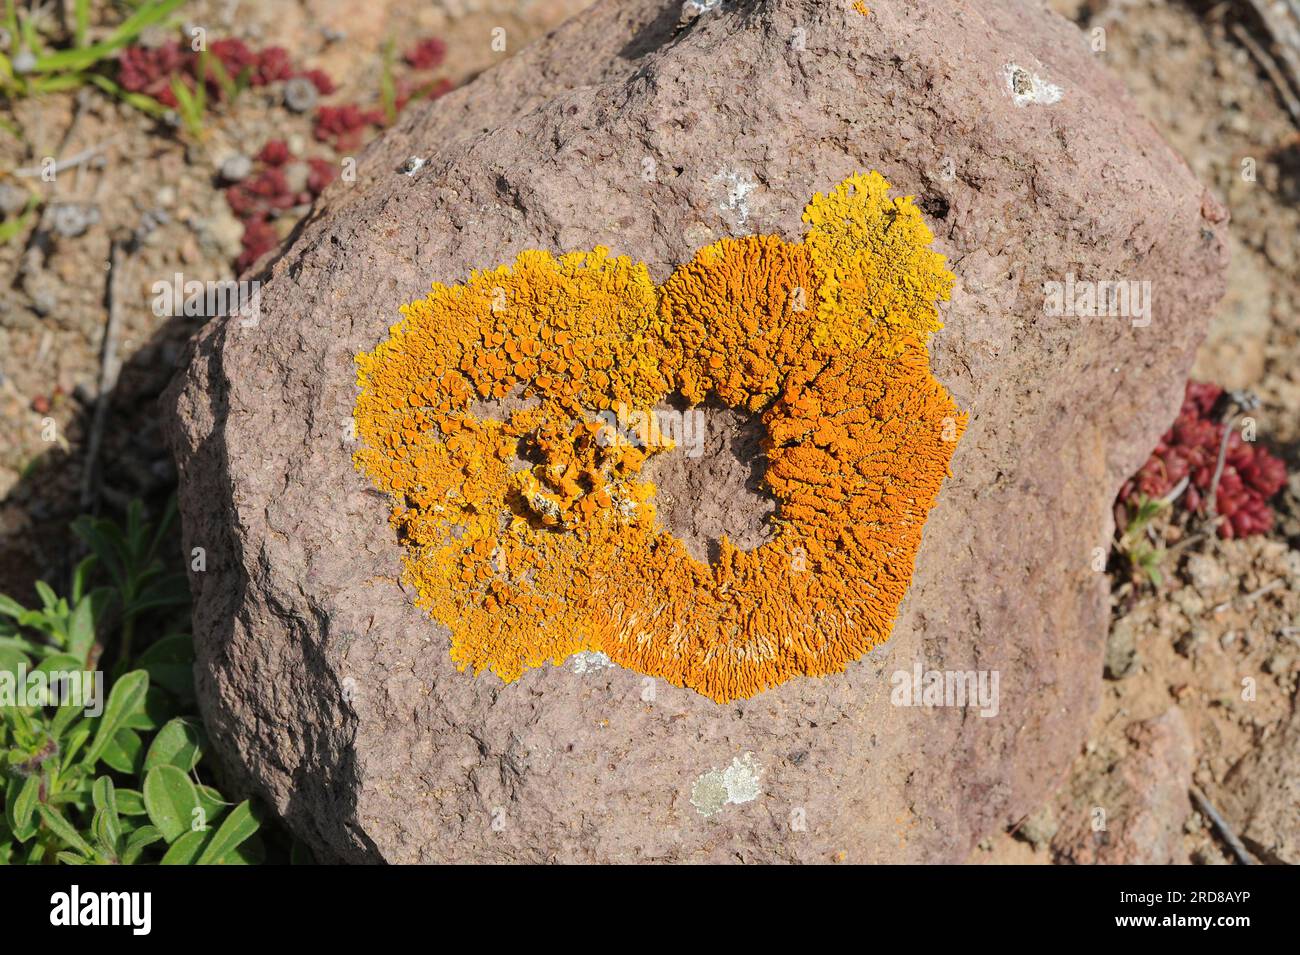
(1230, 837)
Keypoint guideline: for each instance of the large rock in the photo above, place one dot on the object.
(330, 695)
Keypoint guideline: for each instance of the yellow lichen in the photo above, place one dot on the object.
(880, 278)
(533, 537)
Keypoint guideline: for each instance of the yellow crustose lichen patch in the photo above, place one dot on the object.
(533, 537)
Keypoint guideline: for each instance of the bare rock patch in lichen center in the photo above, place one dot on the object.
(710, 485)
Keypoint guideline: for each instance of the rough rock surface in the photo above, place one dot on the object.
(329, 694)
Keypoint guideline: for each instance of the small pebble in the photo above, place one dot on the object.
(300, 94)
(71, 219)
(13, 199)
(413, 165)
(24, 62)
(296, 175)
(236, 168)
(1190, 642)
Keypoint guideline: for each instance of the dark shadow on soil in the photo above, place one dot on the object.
(134, 462)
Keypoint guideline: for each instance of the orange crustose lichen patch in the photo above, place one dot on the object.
(534, 537)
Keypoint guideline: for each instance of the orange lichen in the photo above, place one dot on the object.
(534, 537)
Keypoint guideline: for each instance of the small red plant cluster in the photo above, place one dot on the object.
(150, 70)
(280, 181)
(1190, 449)
(428, 54)
(345, 127)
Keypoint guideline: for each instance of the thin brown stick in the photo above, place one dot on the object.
(1270, 68)
(108, 372)
(1230, 837)
(1212, 500)
(1284, 36)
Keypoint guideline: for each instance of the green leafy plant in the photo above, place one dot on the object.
(50, 71)
(1135, 543)
(10, 229)
(387, 82)
(115, 780)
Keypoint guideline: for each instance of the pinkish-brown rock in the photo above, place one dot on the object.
(1138, 809)
(330, 695)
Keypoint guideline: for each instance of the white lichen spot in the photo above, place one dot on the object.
(589, 661)
(1027, 87)
(694, 8)
(736, 784)
(737, 194)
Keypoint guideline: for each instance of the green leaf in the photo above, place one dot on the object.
(81, 58)
(171, 801)
(138, 841)
(60, 83)
(186, 849)
(81, 630)
(145, 104)
(178, 744)
(105, 541)
(63, 829)
(13, 790)
(72, 858)
(130, 802)
(11, 659)
(213, 806)
(81, 680)
(102, 794)
(238, 827)
(25, 804)
(125, 698)
(252, 852)
(75, 740)
(170, 591)
(81, 21)
(25, 646)
(11, 608)
(170, 664)
(387, 86)
(107, 832)
(157, 710)
(65, 717)
(123, 751)
(229, 88)
(47, 595)
(104, 799)
(59, 661)
(81, 578)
